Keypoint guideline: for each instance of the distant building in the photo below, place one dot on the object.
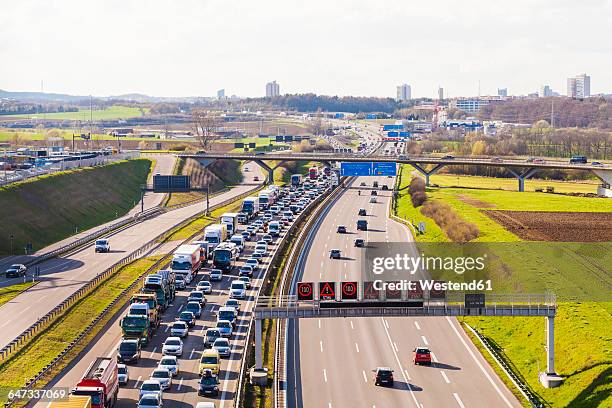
(502, 92)
(472, 105)
(404, 93)
(545, 91)
(221, 93)
(440, 93)
(272, 89)
(579, 86)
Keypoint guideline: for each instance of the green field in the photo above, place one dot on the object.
(50, 208)
(21, 136)
(583, 354)
(112, 112)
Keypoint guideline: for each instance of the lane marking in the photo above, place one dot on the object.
(321, 345)
(417, 325)
(179, 385)
(387, 324)
(357, 347)
(325, 377)
(180, 307)
(458, 400)
(408, 375)
(445, 377)
(319, 323)
(433, 357)
(137, 381)
(153, 351)
(191, 354)
(166, 329)
(424, 340)
(478, 363)
(395, 345)
(365, 378)
(352, 327)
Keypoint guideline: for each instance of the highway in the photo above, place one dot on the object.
(330, 361)
(64, 275)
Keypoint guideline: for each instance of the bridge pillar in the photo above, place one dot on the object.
(550, 379)
(258, 345)
(205, 162)
(522, 176)
(605, 176)
(326, 163)
(267, 168)
(426, 173)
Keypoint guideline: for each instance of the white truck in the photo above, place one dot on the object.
(231, 220)
(214, 235)
(186, 261)
(265, 199)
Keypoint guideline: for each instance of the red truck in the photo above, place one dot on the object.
(100, 382)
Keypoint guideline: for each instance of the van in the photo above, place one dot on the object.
(288, 214)
(274, 228)
(239, 241)
(210, 360)
(237, 290)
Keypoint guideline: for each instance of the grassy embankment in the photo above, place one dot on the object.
(583, 354)
(50, 208)
(112, 112)
(8, 293)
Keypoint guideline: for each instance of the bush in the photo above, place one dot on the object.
(455, 228)
(417, 191)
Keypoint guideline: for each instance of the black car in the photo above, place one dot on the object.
(384, 376)
(128, 351)
(187, 317)
(359, 243)
(362, 225)
(385, 187)
(208, 384)
(374, 193)
(335, 254)
(341, 229)
(15, 271)
(362, 211)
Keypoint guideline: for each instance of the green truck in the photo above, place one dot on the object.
(136, 327)
(154, 308)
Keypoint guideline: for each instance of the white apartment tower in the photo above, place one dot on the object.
(579, 86)
(404, 92)
(272, 89)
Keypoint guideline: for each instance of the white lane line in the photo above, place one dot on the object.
(433, 357)
(365, 378)
(321, 345)
(387, 324)
(329, 405)
(180, 307)
(325, 376)
(445, 377)
(357, 347)
(458, 400)
(320, 275)
(407, 375)
(166, 329)
(179, 385)
(191, 353)
(478, 362)
(137, 381)
(153, 351)
(424, 340)
(352, 327)
(319, 323)
(395, 346)
(417, 325)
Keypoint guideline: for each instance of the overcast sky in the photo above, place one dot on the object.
(333, 47)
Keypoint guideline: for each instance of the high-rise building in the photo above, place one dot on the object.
(221, 93)
(272, 89)
(440, 93)
(404, 93)
(579, 86)
(502, 91)
(545, 91)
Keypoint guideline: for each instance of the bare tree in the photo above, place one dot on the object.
(206, 124)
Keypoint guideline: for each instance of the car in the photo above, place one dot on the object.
(204, 286)
(362, 225)
(496, 160)
(252, 229)
(222, 345)
(341, 229)
(359, 243)
(421, 355)
(362, 211)
(210, 336)
(578, 160)
(187, 317)
(179, 329)
(227, 313)
(335, 254)
(385, 187)
(383, 376)
(150, 400)
(163, 376)
(362, 184)
(246, 235)
(170, 363)
(173, 346)
(448, 157)
(285, 221)
(128, 351)
(123, 374)
(254, 263)
(258, 254)
(197, 296)
(151, 387)
(195, 308)
(262, 242)
(596, 163)
(102, 245)
(246, 270)
(267, 238)
(208, 384)
(373, 200)
(179, 282)
(238, 290)
(225, 327)
(216, 275)
(246, 280)
(373, 193)
(275, 209)
(375, 184)
(233, 303)
(15, 271)
(210, 360)
(255, 178)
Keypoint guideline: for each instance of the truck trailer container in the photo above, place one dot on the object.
(100, 382)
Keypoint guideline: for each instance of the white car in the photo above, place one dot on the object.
(123, 374)
(246, 280)
(238, 290)
(164, 376)
(253, 262)
(151, 387)
(216, 274)
(150, 400)
(102, 245)
(170, 363)
(173, 346)
(233, 303)
(222, 345)
(204, 286)
(179, 329)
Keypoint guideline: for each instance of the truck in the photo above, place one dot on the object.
(100, 383)
(203, 250)
(313, 173)
(214, 235)
(296, 180)
(225, 255)
(154, 284)
(152, 309)
(186, 261)
(73, 401)
(231, 220)
(265, 200)
(137, 327)
(250, 206)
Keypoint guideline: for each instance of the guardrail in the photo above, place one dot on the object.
(58, 310)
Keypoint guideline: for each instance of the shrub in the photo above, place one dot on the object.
(417, 191)
(455, 228)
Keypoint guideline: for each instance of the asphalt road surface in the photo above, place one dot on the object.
(60, 277)
(330, 361)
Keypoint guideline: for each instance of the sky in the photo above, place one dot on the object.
(330, 47)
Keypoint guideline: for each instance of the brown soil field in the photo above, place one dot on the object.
(475, 202)
(556, 226)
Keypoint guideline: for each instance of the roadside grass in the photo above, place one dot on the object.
(582, 334)
(49, 343)
(112, 112)
(50, 208)
(8, 293)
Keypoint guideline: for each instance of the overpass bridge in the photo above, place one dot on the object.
(426, 165)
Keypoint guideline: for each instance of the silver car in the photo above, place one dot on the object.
(164, 376)
(169, 363)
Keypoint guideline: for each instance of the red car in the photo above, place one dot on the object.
(422, 355)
